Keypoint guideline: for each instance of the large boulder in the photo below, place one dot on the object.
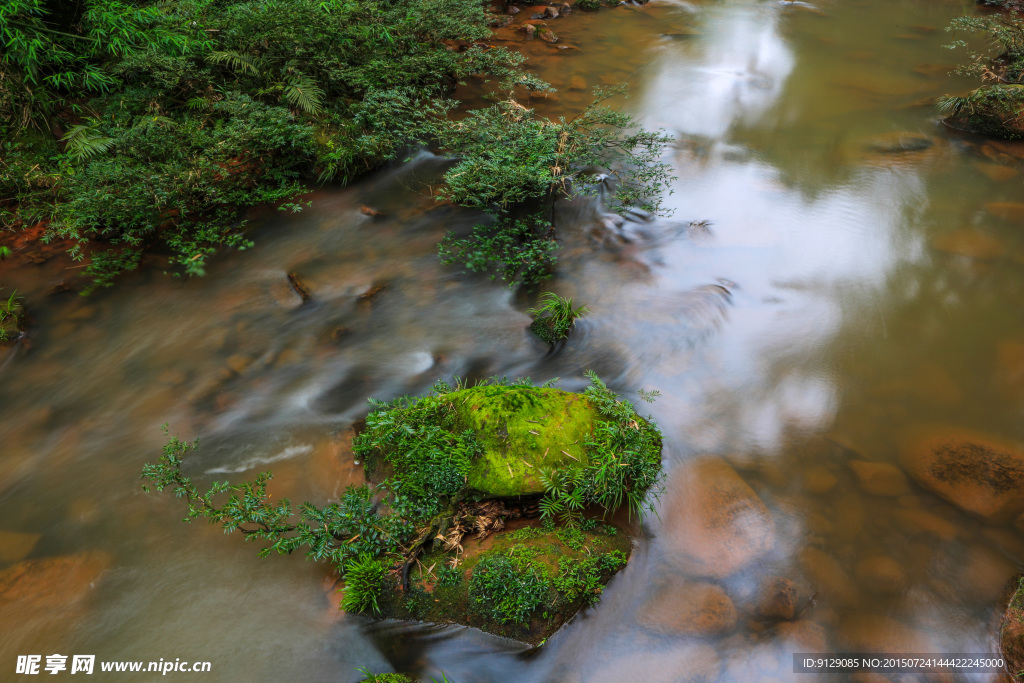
(714, 523)
(976, 472)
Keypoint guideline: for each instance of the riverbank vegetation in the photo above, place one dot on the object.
(996, 108)
(153, 125)
(459, 462)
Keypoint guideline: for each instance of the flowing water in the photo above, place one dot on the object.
(803, 307)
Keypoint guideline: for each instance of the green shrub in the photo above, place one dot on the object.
(448, 576)
(364, 582)
(624, 454)
(508, 589)
(588, 5)
(555, 317)
(580, 578)
(514, 164)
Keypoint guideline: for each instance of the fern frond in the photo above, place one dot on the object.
(303, 92)
(83, 141)
(234, 61)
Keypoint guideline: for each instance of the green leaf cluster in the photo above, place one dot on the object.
(624, 454)
(555, 317)
(513, 164)
(364, 582)
(508, 587)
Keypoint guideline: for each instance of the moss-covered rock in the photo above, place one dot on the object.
(993, 110)
(522, 584)
(460, 522)
(523, 430)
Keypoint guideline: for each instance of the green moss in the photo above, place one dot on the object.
(386, 678)
(523, 429)
(523, 584)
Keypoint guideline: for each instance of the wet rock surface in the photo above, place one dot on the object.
(715, 524)
(34, 586)
(690, 609)
(976, 472)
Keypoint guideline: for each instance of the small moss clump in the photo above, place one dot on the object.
(588, 5)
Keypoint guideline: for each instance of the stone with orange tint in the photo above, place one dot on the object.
(689, 609)
(976, 472)
(714, 524)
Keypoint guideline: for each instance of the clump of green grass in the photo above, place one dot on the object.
(10, 316)
(555, 317)
(364, 581)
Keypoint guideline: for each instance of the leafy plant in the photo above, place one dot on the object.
(581, 578)
(624, 462)
(513, 164)
(508, 588)
(10, 313)
(555, 317)
(364, 582)
(83, 142)
(339, 533)
(448, 576)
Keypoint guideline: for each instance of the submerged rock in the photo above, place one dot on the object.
(690, 609)
(50, 583)
(977, 473)
(715, 524)
(879, 478)
(15, 546)
(778, 598)
(970, 244)
(898, 143)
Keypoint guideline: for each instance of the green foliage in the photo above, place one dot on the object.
(364, 581)
(383, 678)
(516, 250)
(54, 50)
(511, 158)
(588, 5)
(624, 455)
(508, 588)
(338, 533)
(1004, 60)
(448, 576)
(420, 439)
(581, 578)
(10, 316)
(200, 108)
(572, 536)
(554, 317)
(995, 110)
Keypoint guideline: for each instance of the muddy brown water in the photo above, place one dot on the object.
(838, 295)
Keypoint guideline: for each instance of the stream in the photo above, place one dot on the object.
(822, 287)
